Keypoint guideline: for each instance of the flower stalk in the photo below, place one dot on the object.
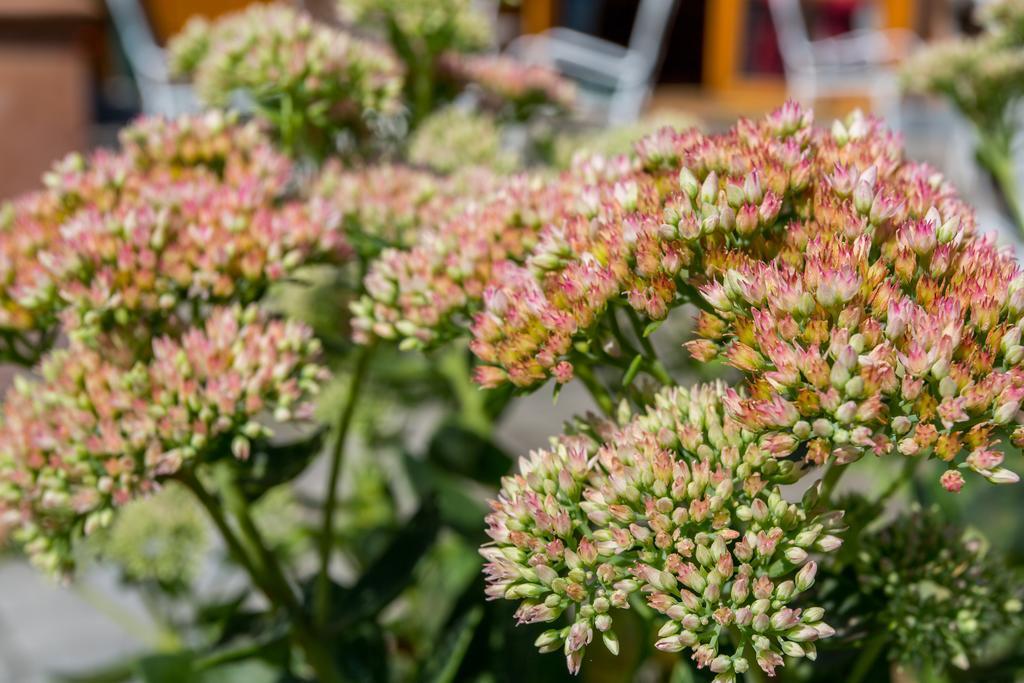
(322, 591)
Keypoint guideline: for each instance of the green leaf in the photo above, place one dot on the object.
(122, 672)
(652, 327)
(634, 367)
(363, 655)
(459, 450)
(166, 668)
(444, 665)
(271, 465)
(184, 666)
(250, 671)
(389, 575)
(457, 508)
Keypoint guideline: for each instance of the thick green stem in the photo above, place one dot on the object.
(754, 674)
(905, 476)
(866, 660)
(266, 576)
(157, 636)
(833, 473)
(456, 369)
(995, 155)
(653, 364)
(322, 594)
(598, 392)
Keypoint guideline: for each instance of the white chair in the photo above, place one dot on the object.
(148, 62)
(861, 62)
(614, 80)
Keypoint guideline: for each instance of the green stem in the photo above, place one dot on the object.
(157, 637)
(322, 591)
(269, 578)
(754, 673)
(866, 660)
(599, 393)
(455, 368)
(994, 154)
(905, 476)
(624, 343)
(833, 473)
(240, 653)
(653, 364)
(659, 372)
(213, 508)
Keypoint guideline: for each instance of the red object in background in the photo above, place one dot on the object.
(832, 17)
(825, 18)
(762, 46)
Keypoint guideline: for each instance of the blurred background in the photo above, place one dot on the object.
(74, 71)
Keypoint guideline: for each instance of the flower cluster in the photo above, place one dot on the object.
(27, 228)
(190, 209)
(883, 324)
(1003, 17)
(942, 595)
(309, 77)
(507, 83)
(848, 285)
(90, 436)
(641, 238)
(982, 75)
(678, 506)
(425, 25)
(389, 205)
(421, 294)
(451, 139)
(216, 140)
(160, 539)
(573, 146)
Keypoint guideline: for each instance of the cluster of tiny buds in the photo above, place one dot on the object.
(912, 351)
(453, 138)
(946, 592)
(505, 82)
(849, 286)
(420, 295)
(90, 436)
(429, 25)
(646, 238)
(659, 508)
(190, 209)
(284, 57)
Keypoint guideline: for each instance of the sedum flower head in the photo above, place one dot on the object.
(942, 594)
(507, 84)
(451, 139)
(883, 324)
(421, 295)
(427, 25)
(981, 75)
(159, 539)
(572, 147)
(288, 63)
(28, 226)
(90, 436)
(678, 508)
(849, 286)
(190, 210)
(1004, 18)
(390, 205)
